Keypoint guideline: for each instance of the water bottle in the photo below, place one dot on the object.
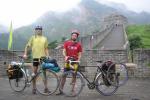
(28, 74)
(33, 74)
(29, 77)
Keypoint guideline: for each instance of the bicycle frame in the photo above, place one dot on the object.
(24, 69)
(99, 70)
(95, 76)
(99, 81)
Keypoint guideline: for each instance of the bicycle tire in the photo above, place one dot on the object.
(18, 84)
(68, 86)
(52, 82)
(104, 89)
(120, 74)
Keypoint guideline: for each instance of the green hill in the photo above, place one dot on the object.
(143, 31)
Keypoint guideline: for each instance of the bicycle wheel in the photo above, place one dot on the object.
(117, 74)
(103, 87)
(71, 84)
(47, 82)
(18, 83)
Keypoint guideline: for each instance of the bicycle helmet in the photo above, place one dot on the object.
(38, 28)
(75, 32)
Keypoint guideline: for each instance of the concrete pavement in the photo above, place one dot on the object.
(135, 89)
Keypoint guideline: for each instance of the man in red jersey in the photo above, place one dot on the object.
(72, 50)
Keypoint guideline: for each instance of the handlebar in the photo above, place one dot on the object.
(70, 61)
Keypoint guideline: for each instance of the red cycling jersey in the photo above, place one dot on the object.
(72, 49)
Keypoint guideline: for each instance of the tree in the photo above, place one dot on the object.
(53, 44)
(63, 39)
(135, 42)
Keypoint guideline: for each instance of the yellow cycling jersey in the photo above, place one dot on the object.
(38, 45)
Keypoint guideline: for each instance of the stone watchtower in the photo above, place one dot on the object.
(115, 19)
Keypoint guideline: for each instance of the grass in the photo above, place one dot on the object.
(143, 31)
(149, 64)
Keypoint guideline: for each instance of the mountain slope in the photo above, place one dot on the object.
(87, 18)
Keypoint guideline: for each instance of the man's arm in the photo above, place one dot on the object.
(47, 51)
(25, 50)
(65, 55)
(80, 52)
(46, 48)
(79, 56)
(29, 44)
(64, 52)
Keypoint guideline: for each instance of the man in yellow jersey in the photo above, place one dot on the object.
(39, 45)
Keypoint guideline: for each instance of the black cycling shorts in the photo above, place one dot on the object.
(36, 62)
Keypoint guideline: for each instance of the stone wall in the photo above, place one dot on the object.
(142, 59)
(90, 41)
(88, 59)
(5, 58)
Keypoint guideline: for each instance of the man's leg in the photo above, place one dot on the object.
(63, 78)
(46, 90)
(34, 80)
(62, 83)
(35, 68)
(73, 82)
(74, 77)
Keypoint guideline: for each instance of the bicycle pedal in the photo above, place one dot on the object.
(91, 86)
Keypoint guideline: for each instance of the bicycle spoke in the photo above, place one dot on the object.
(71, 84)
(18, 83)
(47, 82)
(104, 87)
(120, 73)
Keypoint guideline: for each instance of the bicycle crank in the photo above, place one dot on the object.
(91, 85)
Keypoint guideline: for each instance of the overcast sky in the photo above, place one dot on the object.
(135, 5)
(24, 12)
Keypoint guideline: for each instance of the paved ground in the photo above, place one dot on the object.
(115, 40)
(135, 89)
